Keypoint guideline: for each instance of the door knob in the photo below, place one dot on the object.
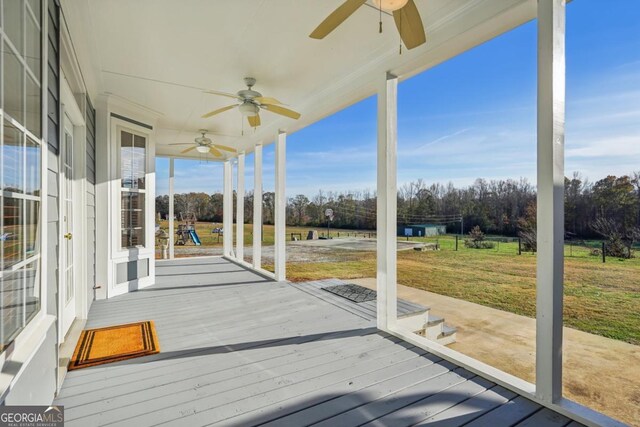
(68, 236)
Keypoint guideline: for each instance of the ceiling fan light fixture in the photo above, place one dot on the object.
(390, 5)
(249, 109)
(202, 149)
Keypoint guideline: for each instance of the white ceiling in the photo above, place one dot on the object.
(213, 44)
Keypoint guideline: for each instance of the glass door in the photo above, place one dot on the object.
(68, 276)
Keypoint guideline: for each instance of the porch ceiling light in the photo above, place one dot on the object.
(202, 149)
(248, 109)
(390, 5)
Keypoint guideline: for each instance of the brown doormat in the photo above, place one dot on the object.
(114, 343)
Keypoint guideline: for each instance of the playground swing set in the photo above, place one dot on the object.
(187, 230)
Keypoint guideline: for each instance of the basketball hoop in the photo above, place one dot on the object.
(329, 214)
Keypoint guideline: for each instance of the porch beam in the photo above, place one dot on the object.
(172, 231)
(387, 202)
(280, 207)
(227, 210)
(550, 202)
(257, 207)
(240, 208)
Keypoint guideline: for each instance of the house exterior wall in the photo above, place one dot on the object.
(53, 144)
(32, 366)
(36, 382)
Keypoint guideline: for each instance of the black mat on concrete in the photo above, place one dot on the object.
(355, 293)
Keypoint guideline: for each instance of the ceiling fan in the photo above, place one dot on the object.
(204, 145)
(405, 14)
(250, 104)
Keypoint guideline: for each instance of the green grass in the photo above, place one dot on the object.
(602, 299)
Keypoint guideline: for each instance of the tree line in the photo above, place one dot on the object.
(503, 207)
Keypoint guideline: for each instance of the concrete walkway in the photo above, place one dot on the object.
(599, 372)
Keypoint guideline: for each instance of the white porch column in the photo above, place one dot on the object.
(257, 206)
(550, 216)
(172, 231)
(240, 209)
(387, 202)
(227, 211)
(280, 207)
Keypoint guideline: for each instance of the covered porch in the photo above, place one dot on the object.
(241, 349)
(240, 345)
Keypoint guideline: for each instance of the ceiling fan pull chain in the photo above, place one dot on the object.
(400, 31)
(380, 9)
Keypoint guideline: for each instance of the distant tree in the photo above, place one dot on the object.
(573, 203)
(527, 228)
(268, 207)
(248, 208)
(299, 204)
(162, 206)
(216, 207)
(476, 239)
(505, 207)
(619, 239)
(636, 183)
(615, 198)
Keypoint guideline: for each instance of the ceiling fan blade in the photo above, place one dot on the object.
(228, 95)
(254, 121)
(267, 100)
(188, 149)
(336, 18)
(218, 111)
(225, 148)
(215, 152)
(410, 25)
(282, 111)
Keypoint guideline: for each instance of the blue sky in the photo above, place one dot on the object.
(475, 116)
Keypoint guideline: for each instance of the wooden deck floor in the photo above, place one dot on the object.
(239, 350)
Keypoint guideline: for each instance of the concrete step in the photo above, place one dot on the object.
(434, 320)
(433, 327)
(447, 336)
(447, 331)
(414, 321)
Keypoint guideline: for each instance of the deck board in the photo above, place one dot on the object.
(511, 412)
(238, 349)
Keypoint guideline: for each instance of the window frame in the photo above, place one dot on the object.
(30, 322)
(120, 190)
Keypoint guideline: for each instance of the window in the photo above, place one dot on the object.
(133, 169)
(20, 162)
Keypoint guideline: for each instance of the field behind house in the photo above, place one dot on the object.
(209, 238)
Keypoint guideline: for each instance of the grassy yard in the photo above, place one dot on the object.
(602, 299)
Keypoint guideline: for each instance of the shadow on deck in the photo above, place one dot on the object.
(238, 349)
